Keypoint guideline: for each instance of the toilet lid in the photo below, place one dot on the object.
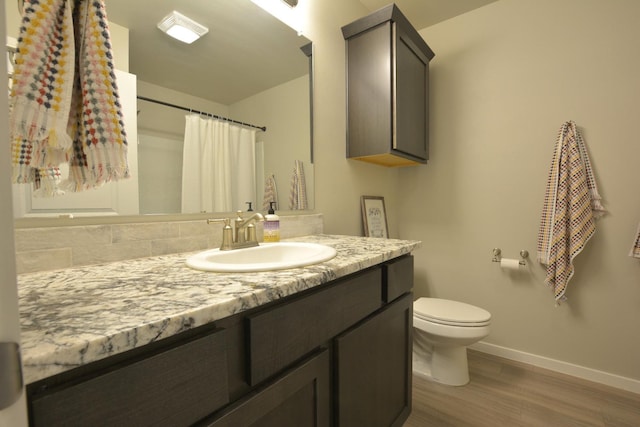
(450, 312)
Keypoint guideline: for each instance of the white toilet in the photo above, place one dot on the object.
(442, 330)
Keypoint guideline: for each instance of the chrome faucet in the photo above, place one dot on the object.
(242, 235)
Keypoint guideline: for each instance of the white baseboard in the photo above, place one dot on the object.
(589, 374)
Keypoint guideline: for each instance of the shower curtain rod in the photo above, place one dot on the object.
(191, 110)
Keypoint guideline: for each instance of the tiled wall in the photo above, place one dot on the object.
(50, 248)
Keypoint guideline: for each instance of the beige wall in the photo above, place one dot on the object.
(284, 110)
(340, 182)
(120, 43)
(158, 119)
(12, 18)
(504, 78)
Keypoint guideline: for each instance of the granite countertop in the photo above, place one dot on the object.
(75, 316)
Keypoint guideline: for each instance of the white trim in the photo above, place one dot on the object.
(589, 374)
(14, 414)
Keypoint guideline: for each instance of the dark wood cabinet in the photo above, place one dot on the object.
(300, 397)
(387, 90)
(280, 335)
(335, 355)
(174, 386)
(373, 369)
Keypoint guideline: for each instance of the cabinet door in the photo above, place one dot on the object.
(374, 369)
(411, 119)
(300, 398)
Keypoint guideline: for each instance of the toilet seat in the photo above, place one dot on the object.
(452, 313)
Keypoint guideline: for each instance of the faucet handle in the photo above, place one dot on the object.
(250, 233)
(214, 220)
(238, 237)
(227, 233)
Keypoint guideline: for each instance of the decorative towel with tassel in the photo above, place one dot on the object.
(298, 192)
(64, 105)
(635, 249)
(270, 193)
(571, 205)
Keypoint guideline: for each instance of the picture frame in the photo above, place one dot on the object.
(374, 217)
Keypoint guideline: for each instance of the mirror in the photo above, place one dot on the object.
(249, 67)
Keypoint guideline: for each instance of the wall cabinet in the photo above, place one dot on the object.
(335, 355)
(387, 90)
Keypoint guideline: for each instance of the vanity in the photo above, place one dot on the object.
(152, 342)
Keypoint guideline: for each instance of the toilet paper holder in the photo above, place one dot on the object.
(497, 255)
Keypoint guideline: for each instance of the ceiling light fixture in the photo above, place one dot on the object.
(284, 10)
(182, 28)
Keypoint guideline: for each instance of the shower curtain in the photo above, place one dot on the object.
(218, 166)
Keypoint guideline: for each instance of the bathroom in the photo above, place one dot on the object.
(504, 78)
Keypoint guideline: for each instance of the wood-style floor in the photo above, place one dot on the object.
(513, 394)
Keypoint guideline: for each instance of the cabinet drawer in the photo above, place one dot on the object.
(173, 388)
(300, 398)
(280, 336)
(397, 278)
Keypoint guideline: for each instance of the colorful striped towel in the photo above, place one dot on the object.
(64, 101)
(41, 91)
(298, 191)
(635, 249)
(270, 193)
(571, 205)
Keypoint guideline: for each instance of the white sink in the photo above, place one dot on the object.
(266, 257)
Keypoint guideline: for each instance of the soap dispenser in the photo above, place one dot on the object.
(271, 225)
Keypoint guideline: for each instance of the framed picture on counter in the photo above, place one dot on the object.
(374, 217)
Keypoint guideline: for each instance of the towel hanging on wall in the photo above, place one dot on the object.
(64, 102)
(635, 249)
(298, 191)
(571, 205)
(270, 193)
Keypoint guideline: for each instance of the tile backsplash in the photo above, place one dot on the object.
(51, 248)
